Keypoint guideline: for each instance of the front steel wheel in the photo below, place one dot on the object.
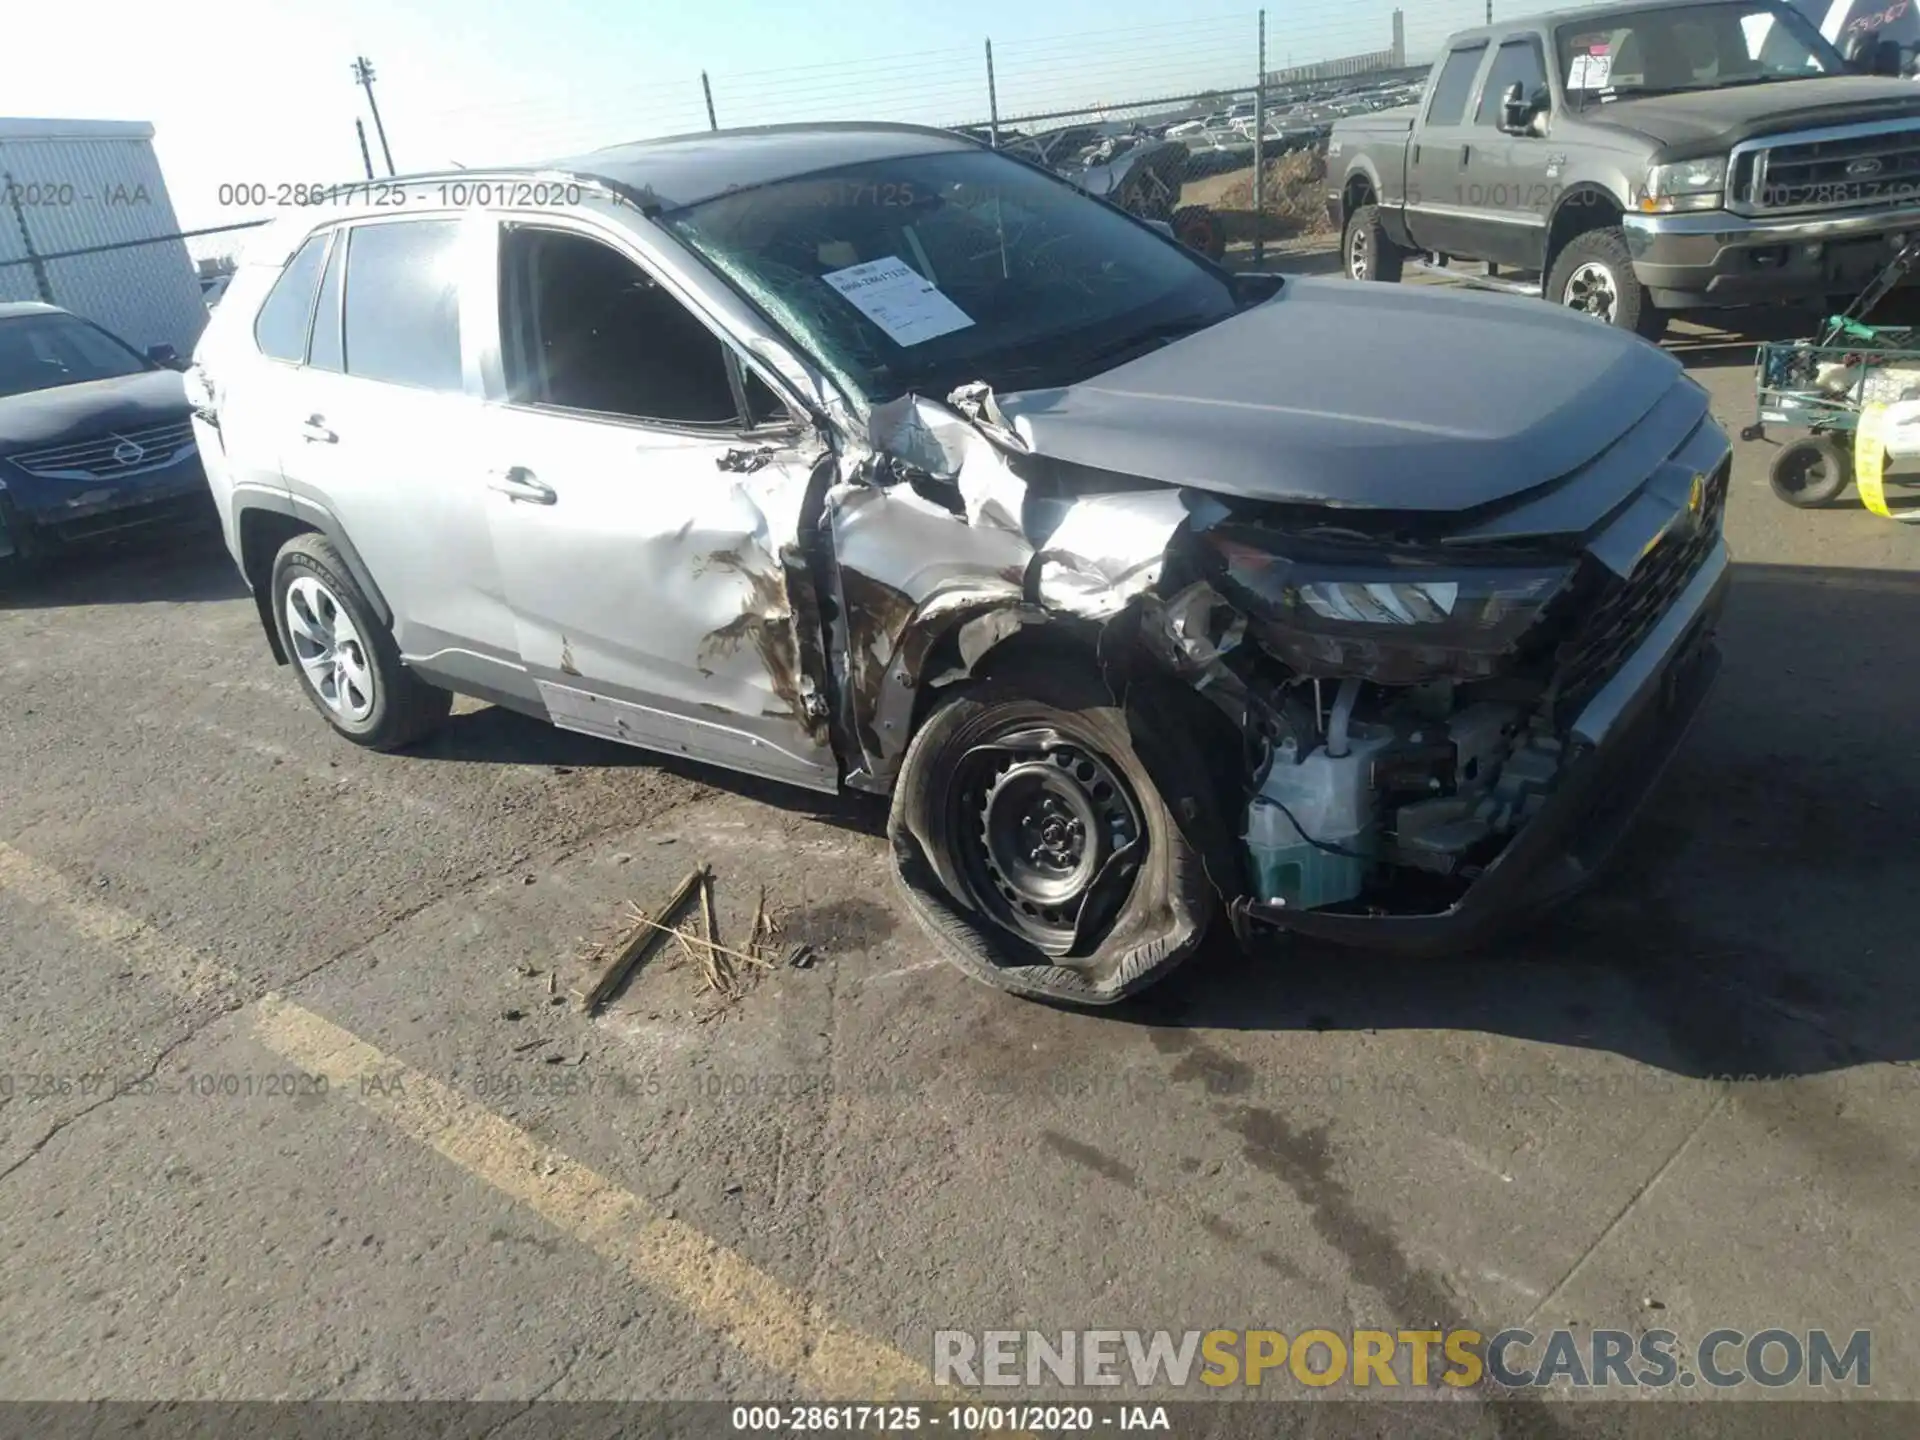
(1057, 843)
(1047, 834)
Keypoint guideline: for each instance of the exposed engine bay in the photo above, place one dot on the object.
(1406, 689)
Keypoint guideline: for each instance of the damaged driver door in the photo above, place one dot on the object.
(642, 487)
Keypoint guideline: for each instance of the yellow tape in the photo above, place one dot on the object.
(1870, 465)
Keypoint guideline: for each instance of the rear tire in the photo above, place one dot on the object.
(1055, 844)
(1366, 252)
(1593, 273)
(346, 658)
(1810, 472)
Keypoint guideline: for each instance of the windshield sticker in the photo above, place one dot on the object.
(1590, 72)
(894, 295)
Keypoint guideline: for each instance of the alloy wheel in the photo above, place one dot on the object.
(1359, 254)
(328, 647)
(1592, 289)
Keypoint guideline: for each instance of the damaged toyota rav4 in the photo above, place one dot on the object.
(863, 456)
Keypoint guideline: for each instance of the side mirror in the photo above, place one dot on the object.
(166, 357)
(1516, 112)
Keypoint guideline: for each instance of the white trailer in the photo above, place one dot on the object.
(84, 185)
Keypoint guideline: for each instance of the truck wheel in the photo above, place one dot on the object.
(1594, 275)
(1365, 249)
(1810, 472)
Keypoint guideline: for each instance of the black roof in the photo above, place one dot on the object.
(685, 169)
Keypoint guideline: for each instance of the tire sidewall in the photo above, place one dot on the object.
(1831, 452)
(1633, 308)
(303, 556)
(1384, 258)
(1172, 900)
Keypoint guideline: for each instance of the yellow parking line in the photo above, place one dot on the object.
(772, 1324)
(135, 943)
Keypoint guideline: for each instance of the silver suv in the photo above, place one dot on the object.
(863, 456)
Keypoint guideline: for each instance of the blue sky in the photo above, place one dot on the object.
(263, 92)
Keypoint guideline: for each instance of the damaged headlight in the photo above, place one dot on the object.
(1394, 621)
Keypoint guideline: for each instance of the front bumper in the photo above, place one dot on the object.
(45, 514)
(1715, 258)
(1623, 739)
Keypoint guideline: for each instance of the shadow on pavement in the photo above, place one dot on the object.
(167, 567)
(1758, 920)
(499, 736)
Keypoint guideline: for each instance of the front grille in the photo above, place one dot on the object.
(113, 456)
(1849, 166)
(1619, 613)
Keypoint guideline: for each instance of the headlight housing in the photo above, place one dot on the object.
(1392, 620)
(1684, 185)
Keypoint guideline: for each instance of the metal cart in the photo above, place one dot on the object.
(1823, 386)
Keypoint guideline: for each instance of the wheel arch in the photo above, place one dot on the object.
(263, 529)
(1584, 207)
(1361, 187)
(975, 646)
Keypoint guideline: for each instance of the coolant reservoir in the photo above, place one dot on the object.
(1322, 798)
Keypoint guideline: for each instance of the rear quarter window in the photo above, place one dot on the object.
(280, 329)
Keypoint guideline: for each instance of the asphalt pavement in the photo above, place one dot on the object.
(296, 1104)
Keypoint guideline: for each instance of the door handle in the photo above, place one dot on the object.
(314, 428)
(1465, 151)
(519, 483)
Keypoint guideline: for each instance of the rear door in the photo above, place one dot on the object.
(383, 439)
(1506, 177)
(645, 491)
(1439, 217)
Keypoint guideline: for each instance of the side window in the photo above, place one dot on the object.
(280, 329)
(587, 329)
(1450, 91)
(763, 406)
(1517, 62)
(402, 312)
(324, 353)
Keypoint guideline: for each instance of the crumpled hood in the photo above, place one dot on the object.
(72, 413)
(1704, 121)
(1373, 396)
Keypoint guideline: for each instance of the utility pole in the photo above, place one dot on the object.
(360, 129)
(1260, 150)
(706, 88)
(363, 76)
(993, 102)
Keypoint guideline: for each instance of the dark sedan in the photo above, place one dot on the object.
(95, 438)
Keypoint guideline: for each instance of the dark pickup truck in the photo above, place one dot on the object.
(1642, 159)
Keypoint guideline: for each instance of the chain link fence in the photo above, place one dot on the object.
(1215, 126)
